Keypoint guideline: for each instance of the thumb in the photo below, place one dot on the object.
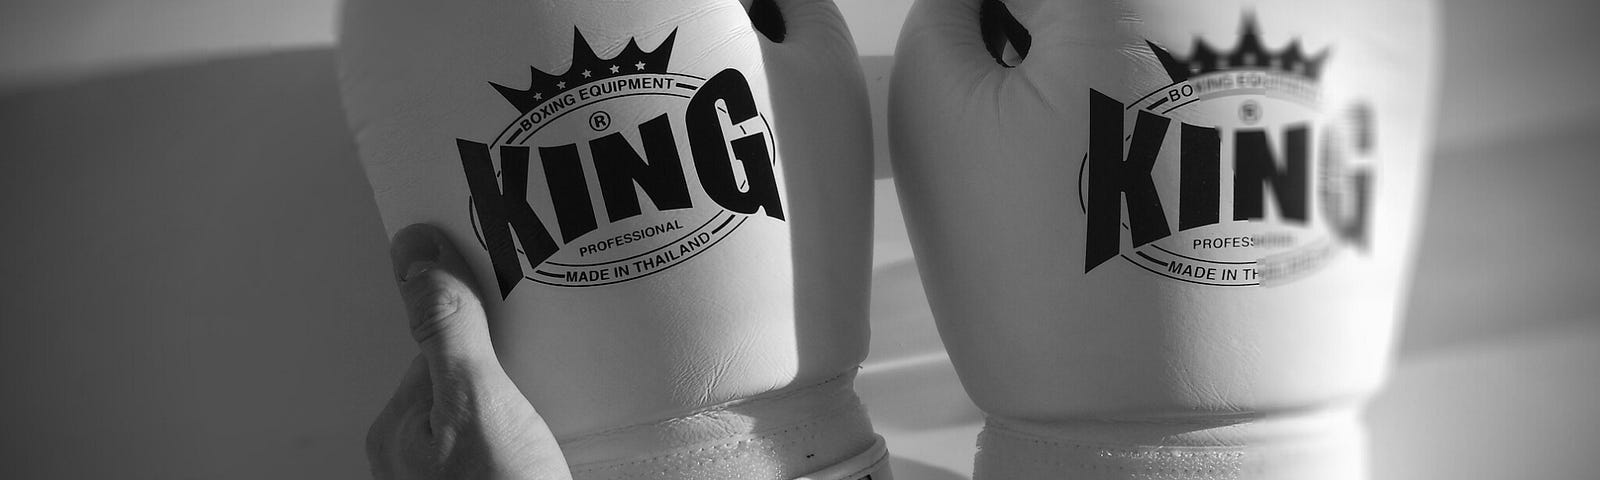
(478, 418)
(446, 316)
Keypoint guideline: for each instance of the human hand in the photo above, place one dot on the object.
(456, 415)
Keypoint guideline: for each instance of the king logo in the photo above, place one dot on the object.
(1255, 202)
(622, 136)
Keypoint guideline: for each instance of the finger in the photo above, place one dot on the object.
(471, 394)
(449, 324)
(447, 319)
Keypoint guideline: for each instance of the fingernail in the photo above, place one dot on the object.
(416, 268)
(414, 250)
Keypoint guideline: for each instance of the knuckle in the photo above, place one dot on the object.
(433, 312)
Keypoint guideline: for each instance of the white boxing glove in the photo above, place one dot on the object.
(1165, 239)
(671, 203)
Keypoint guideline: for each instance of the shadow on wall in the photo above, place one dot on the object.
(197, 282)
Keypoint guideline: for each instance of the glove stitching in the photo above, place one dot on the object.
(771, 448)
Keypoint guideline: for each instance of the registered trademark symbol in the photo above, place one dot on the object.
(1250, 112)
(600, 121)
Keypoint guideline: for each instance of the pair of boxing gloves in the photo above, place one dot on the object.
(1160, 239)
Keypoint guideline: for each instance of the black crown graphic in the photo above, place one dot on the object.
(588, 67)
(1249, 54)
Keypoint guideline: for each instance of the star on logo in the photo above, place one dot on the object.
(538, 96)
(638, 66)
(586, 74)
(614, 69)
(561, 84)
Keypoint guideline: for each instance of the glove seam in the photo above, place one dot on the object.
(767, 448)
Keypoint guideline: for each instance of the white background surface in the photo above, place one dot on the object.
(197, 285)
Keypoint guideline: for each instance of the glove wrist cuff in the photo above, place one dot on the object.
(1322, 445)
(815, 432)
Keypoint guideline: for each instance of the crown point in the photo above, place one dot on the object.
(585, 65)
(580, 47)
(1249, 52)
(1247, 25)
(517, 98)
(1173, 66)
(668, 42)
